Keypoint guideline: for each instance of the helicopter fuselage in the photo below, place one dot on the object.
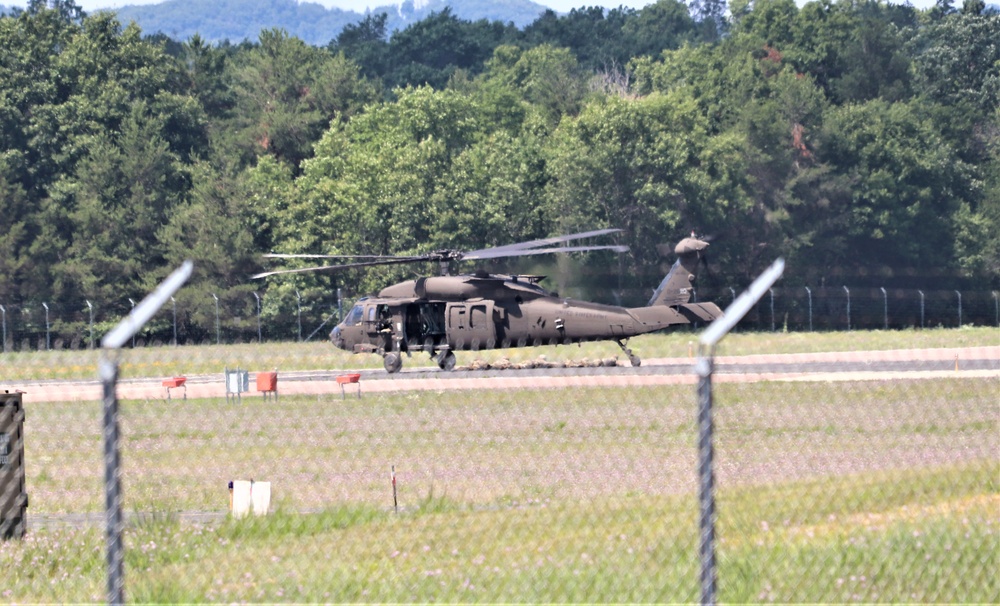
(440, 315)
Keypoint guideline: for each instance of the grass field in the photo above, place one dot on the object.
(191, 360)
(828, 492)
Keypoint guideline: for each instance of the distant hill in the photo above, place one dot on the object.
(236, 20)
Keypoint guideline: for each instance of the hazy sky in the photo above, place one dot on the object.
(360, 5)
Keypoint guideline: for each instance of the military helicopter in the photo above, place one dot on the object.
(440, 315)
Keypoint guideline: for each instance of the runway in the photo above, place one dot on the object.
(967, 362)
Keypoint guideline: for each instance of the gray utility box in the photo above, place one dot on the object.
(13, 496)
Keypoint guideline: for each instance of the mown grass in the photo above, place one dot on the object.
(201, 359)
(828, 492)
(867, 538)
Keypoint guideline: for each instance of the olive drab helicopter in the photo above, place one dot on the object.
(440, 315)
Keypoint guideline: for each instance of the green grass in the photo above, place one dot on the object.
(189, 360)
(858, 538)
(828, 492)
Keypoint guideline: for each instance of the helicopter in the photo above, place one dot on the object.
(440, 315)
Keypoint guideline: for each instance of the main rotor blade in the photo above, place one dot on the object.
(296, 256)
(393, 261)
(497, 254)
(543, 242)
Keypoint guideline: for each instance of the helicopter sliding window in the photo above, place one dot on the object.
(354, 317)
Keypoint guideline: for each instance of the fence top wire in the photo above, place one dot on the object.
(145, 310)
(735, 312)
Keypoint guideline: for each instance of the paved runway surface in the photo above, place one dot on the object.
(836, 366)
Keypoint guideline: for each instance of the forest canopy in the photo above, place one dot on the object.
(855, 137)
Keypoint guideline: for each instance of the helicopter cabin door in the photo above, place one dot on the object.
(470, 325)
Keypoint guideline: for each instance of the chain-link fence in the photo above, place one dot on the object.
(41, 326)
(870, 474)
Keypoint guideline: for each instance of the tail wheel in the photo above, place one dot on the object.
(446, 360)
(392, 361)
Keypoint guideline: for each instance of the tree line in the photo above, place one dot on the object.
(858, 139)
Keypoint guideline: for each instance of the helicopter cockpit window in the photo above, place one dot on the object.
(355, 316)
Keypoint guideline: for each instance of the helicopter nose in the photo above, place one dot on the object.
(336, 338)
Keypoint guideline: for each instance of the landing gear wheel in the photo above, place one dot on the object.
(635, 361)
(393, 362)
(446, 360)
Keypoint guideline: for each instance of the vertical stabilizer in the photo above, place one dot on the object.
(675, 289)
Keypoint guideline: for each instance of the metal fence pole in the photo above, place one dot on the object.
(173, 303)
(133, 311)
(809, 293)
(4, 311)
(771, 290)
(959, 308)
(108, 371)
(259, 338)
(218, 333)
(48, 340)
(732, 291)
(90, 309)
(298, 313)
(340, 307)
(996, 306)
(885, 309)
(706, 451)
(921, 308)
(848, 308)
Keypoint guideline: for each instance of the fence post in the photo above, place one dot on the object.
(809, 294)
(706, 474)
(48, 340)
(173, 303)
(259, 338)
(848, 308)
(217, 332)
(4, 311)
(133, 311)
(90, 309)
(771, 290)
(340, 308)
(959, 308)
(108, 370)
(298, 313)
(996, 306)
(885, 309)
(921, 308)
(732, 292)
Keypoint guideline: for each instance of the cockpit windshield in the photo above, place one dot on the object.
(355, 316)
